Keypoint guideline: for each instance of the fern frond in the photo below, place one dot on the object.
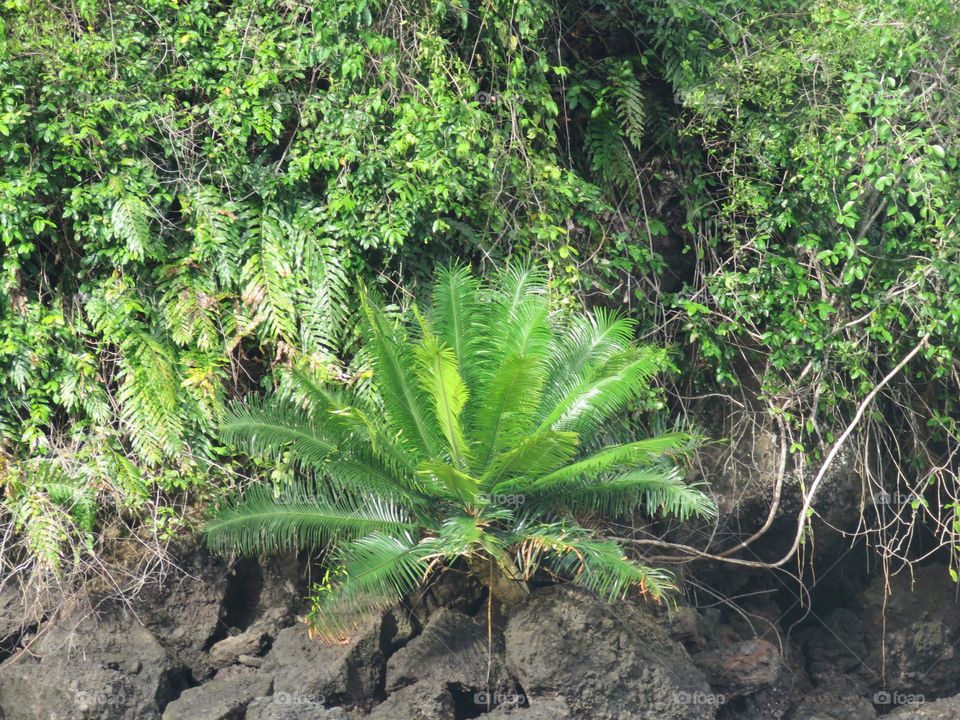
(271, 290)
(607, 151)
(217, 226)
(130, 222)
(149, 396)
(324, 298)
(630, 103)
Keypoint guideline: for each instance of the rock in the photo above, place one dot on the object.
(219, 699)
(946, 709)
(833, 703)
(19, 611)
(454, 589)
(421, 701)
(284, 706)
(542, 709)
(184, 610)
(400, 626)
(741, 668)
(114, 669)
(607, 663)
(228, 651)
(349, 674)
(250, 661)
(918, 629)
(283, 588)
(453, 648)
(234, 671)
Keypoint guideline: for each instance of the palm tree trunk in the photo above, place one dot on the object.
(501, 577)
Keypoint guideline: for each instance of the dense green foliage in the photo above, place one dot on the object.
(479, 437)
(186, 188)
(189, 190)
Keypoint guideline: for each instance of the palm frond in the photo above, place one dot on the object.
(453, 483)
(359, 474)
(531, 458)
(659, 489)
(587, 343)
(640, 452)
(601, 566)
(508, 399)
(457, 316)
(299, 517)
(514, 287)
(439, 376)
(404, 400)
(376, 572)
(274, 427)
(623, 378)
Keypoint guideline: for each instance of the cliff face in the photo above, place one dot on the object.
(830, 638)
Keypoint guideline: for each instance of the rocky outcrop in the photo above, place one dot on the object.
(946, 709)
(561, 654)
(420, 701)
(350, 674)
(604, 662)
(284, 706)
(741, 668)
(452, 649)
(219, 699)
(186, 609)
(906, 644)
(87, 668)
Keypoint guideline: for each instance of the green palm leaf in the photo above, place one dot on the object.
(273, 428)
(589, 342)
(641, 452)
(457, 316)
(404, 400)
(532, 457)
(299, 517)
(660, 489)
(376, 572)
(440, 377)
(599, 565)
(623, 378)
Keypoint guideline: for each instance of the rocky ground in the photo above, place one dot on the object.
(225, 644)
(222, 641)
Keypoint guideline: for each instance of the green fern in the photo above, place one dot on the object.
(130, 220)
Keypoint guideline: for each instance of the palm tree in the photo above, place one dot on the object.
(478, 439)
